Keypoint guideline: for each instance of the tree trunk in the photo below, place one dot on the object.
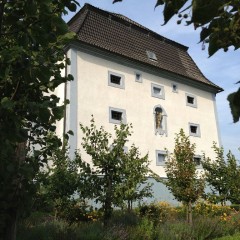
(108, 203)
(14, 198)
(10, 233)
(189, 213)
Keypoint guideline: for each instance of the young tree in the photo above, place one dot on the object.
(182, 179)
(221, 176)
(59, 181)
(110, 169)
(32, 39)
(220, 28)
(134, 185)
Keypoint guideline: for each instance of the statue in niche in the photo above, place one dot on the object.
(158, 118)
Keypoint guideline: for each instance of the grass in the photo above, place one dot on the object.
(233, 237)
(162, 222)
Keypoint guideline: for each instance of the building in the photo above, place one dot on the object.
(126, 72)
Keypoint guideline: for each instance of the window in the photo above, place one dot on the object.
(117, 115)
(160, 120)
(174, 87)
(157, 91)
(116, 80)
(191, 100)
(194, 130)
(151, 56)
(197, 160)
(161, 157)
(138, 77)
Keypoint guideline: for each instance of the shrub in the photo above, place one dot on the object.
(205, 208)
(158, 212)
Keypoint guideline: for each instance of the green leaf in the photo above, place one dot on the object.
(234, 103)
(213, 46)
(70, 132)
(204, 33)
(159, 2)
(172, 7)
(6, 103)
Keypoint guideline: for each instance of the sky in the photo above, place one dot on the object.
(223, 68)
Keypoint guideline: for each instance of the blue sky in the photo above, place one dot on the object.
(222, 68)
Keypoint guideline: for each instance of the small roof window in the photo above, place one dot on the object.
(151, 56)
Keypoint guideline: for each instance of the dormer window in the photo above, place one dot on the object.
(151, 56)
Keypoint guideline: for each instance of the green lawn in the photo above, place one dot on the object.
(234, 237)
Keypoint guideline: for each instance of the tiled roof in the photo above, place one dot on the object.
(121, 35)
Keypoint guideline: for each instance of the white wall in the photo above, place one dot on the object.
(95, 96)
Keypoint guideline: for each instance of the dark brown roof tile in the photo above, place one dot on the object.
(119, 34)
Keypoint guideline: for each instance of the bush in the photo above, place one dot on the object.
(204, 208)
(158, 212)
(124, 218)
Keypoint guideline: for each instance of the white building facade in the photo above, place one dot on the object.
(147, 80)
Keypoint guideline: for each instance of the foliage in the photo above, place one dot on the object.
(134, 176)
(220, 28)
(205, 208)
(59, 181)
(116, 175)
(135, 227)
(221, 176)
(32, 39)
(158, 213)
(182, 179)
(234, 100)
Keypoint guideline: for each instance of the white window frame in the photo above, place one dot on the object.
(194, 104)
(198, 133)
(122, 111)
(158, 152)
(140, 80)
(162, 92)
(122, 80)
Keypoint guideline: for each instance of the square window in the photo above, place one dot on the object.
(191, 100)
(161, 157)
(138, 77)
(197, 161)
(194, 130)
(116, 80)
(117, 115)
(158, 91)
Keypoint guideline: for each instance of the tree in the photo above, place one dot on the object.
(108, 177)
(221, 176)
(59, 181)
(220, 29)
(182, 179)
(32, 39)
(134, 186)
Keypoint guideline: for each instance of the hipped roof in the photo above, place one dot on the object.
(123, 36)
